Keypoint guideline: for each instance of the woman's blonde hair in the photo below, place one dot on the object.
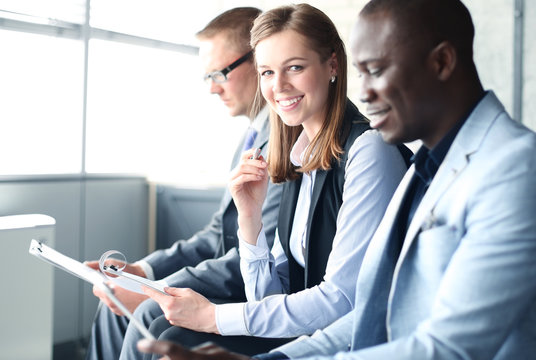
(322, 37)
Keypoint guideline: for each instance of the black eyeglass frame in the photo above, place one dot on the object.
(220, 76)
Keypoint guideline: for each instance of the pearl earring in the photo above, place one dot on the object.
(333, 79)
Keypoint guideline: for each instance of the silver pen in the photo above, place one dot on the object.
(257, 154)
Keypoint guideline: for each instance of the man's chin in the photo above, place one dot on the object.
(232, 111)
(236, 112)
(390, 137)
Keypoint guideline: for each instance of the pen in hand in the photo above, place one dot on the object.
(256, 155)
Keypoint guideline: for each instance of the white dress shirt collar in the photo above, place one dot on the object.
(298, 150)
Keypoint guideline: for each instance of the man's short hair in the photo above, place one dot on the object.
(236, 24)
(438, 20)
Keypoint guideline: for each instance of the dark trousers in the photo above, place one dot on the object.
(247, 345)
(107, 335)
(113, 339)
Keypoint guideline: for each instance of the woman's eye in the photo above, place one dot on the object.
(267, 73)
(295, 67)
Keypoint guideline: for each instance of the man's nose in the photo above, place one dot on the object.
(214, 87)
(365, 93)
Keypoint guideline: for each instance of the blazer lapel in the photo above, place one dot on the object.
(287, 209)
(382, 237)
(465, 144)
(320, 180)
(391, 213)
(375, 277)
(424, 215)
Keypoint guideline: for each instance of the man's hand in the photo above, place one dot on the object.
(176, 352)
(130, 299)
(186, 308)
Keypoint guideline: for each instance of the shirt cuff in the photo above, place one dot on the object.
(230, 319)
(251, 252)
(148, 269)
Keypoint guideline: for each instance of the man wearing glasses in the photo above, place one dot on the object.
(208, 262)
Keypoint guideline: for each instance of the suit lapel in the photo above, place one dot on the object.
(466, 143)
(382, 237)
(375, 277)
(320, 180)
(286, 212)
(424, 217)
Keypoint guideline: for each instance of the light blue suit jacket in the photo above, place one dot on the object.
(464, 286)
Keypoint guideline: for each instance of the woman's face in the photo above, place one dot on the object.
(294, 80)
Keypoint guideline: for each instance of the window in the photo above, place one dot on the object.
(166, 20)
(45, 11)
(147, 109)
(41, 91)
(149, 112)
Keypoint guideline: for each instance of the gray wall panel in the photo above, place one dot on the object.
(61, 200)
(116, 219)
(114, 216)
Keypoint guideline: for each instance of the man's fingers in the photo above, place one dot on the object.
(92, 264)
(102, 296)
(176, 291)
(155, 295)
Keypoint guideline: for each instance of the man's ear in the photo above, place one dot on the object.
(443, 59)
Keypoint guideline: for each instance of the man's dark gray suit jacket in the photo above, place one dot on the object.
(209, 262)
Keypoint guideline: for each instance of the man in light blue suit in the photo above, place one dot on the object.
(451, 270)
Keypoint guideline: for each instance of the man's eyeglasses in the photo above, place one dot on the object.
(220, 77)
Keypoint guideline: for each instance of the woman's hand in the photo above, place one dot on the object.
(186, 308)
(248, 186)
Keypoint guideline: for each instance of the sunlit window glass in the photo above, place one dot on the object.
(45, 11)
(150, 112)
(166, 20)
(41, 83)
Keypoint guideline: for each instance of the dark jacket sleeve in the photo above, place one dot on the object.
(201, 246)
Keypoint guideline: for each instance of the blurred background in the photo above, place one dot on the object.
(100, 105)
